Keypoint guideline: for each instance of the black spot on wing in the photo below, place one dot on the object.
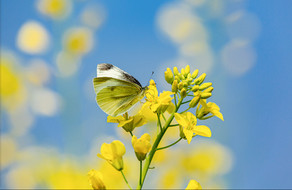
(131, 78)
(105, 66)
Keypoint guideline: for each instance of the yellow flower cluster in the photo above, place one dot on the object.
(187, 88)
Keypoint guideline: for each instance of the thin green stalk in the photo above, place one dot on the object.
(185, 110)
(159, 122)
(174, 125)
(163, 116)
(140, 178)
(126, 179)
(186, 102)
(131, 133)
(169, 145)
(156, 143)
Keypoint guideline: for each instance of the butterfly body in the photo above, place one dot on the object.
(116, 90)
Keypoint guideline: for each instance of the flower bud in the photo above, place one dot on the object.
(195, 73)
(200, 79)
(168, 76)
(96, 179)
(205, 85)
(194, 102)
(141, 146)
(195, 88)
(183, 93)
(187, 69)
(210, 89)
(175, 71)
(206, 95)
(183, 72)
(174, 86)
(185, 83)
(177, 78)
(181, 76)
(180, 85)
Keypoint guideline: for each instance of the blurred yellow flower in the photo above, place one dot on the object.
(193, 184)
(206, 159)
(12, 91)
(8, 149)
(170, 179)
(141, 146)
(210, 107)
(96, 179)
(128, 123)
(158, 104)
(56, 9)
(78, 41)
(33, 38)
(188, 122)
(113, 153)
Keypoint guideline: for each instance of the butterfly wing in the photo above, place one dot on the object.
(116, 96)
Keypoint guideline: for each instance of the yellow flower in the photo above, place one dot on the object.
(33, 38)
(113, 153)
(141, 146)
(188, 122)
(56, 9)
(210, 107)
(96, 179)
(128, 123)
(193, 184)
(78, 40)
(158, 104)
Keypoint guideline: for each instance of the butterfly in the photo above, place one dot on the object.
(116, 90)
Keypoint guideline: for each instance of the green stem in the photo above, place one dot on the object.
(185, 110)
(126, 179)
(174, 125)
(175, 100)
(131, 133)
(163, 116)
(158, 121)
(169, 145)
(186, 102)
(156, 143)
(140, 178)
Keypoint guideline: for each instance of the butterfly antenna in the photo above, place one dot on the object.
(150, 77)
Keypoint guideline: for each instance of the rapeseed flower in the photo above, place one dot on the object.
(141, 146)
(158, 104)
(207, 108)
(113, 153)
(188, 124)
(126, 122)
(193, 184)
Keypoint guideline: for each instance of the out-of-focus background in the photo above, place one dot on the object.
(52, 129)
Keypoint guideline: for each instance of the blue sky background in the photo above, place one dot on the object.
(256, 105)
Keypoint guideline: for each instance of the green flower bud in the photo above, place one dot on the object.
(180, 85)
(205, 85)
(200, 79)
(195, 73)
(175, 71)
(168, 76)
(195, 88)
(183, 93)
(174, 86)
(194, 102)
(187, 69)
(210, 89)
(185, 83)
(181, 76)
(206, 95)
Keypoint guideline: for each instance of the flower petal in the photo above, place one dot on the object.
(181, 119)
(188, 134)
(202, 130)
(118, 119)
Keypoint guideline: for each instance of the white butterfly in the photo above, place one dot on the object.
(116, 91)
